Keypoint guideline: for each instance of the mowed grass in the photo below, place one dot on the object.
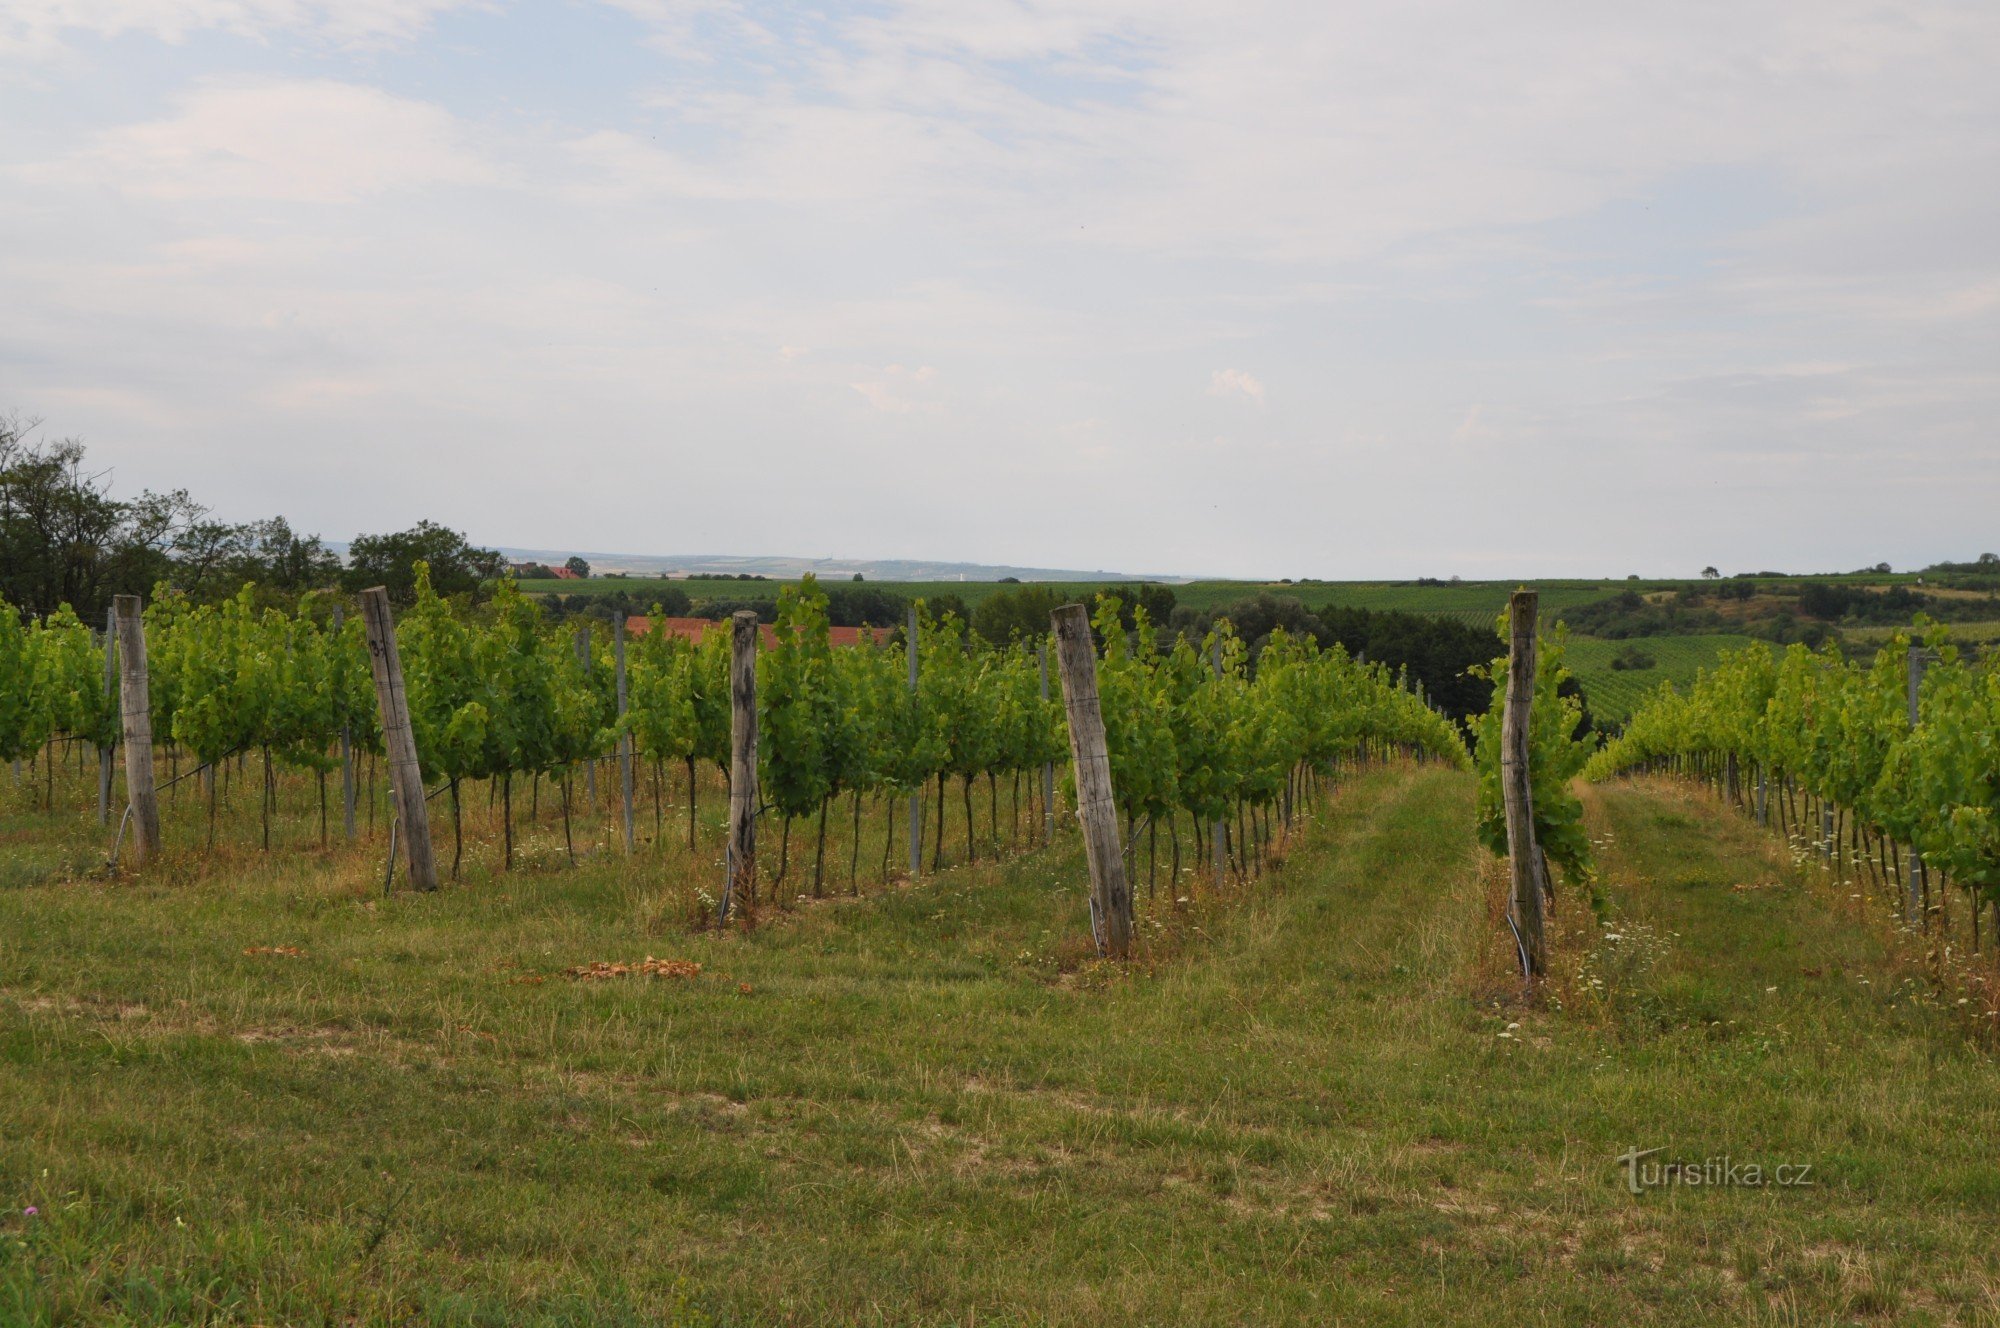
(929, 1106)
(1615, 693)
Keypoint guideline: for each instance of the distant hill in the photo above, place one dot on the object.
(827, 569)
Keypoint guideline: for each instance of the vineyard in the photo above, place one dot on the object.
(247, 1085)
(1615, 690)
(1884, 768)
(505, 710)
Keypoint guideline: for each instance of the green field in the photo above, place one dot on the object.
(247, 1089)
(1474, 602)
(1614, 693)
(1963, 633)
(1471, 600)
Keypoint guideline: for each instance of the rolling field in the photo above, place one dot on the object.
(1615, 693)
(248, 1089)
(1963, 633)
(1472, 601)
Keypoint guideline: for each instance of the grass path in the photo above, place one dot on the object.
(920, 1108)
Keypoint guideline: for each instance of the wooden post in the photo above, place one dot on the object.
(1218, 850)
(916, 794)
(1097, 807)
(1913, 912)
(406, 776)
(742, 856)
(1048, 767)
(624, 739)
(583, 658)
(346, 750)
(1918, 658)
(104, 754)
(136, 714)
(1524, 856)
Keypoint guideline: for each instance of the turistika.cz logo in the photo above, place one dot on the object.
(1723, 1172)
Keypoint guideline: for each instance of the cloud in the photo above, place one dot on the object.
(1759, 238)
(893, 392)
(1468, 428)
(39, 28)
(1235, 382)
(314, 141)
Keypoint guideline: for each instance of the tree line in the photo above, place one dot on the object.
(67, 539)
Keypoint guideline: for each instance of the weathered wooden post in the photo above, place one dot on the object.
(406, 776)
(624, 739)
(1048, 767)
(1218, 832)
(1913, 912)
(1096, 805)
(346, 750)
(590, 764)
(1919, 657)
(104, 754)
(916, 793)
(136, 721)
(1524, 856)
(742, 855)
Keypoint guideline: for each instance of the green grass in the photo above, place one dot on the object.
(928, 1107)
(1615, 693)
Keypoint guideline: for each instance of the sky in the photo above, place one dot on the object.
(1248, 289)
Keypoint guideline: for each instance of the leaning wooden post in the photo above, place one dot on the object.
(136, 714)
(104, 754)
(1048, 767)
(406, 776)
(346, 749)
(1524, 857)
(624, 739)
(917, 793)
(1096, 805)
(742, 856)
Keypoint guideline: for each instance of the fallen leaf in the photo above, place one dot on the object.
(648, 967)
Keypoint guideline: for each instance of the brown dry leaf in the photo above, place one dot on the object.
(649, 967)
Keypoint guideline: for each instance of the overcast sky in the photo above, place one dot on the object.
(1307, 289)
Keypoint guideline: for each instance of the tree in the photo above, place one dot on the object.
(285, 560)
(65, 540)
(1710, 574)
(577, 565)
(456, 566)
(1017, 615)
